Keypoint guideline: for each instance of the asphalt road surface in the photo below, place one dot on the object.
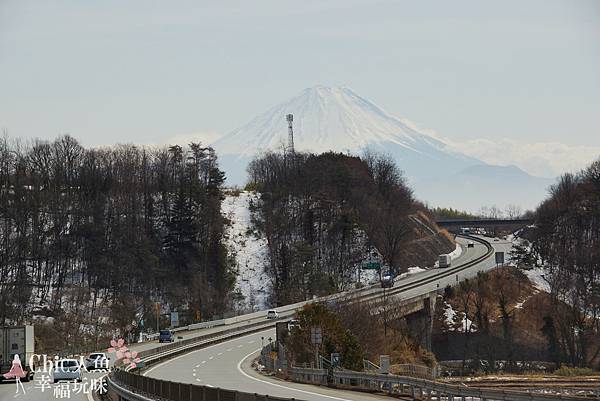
(227, 365)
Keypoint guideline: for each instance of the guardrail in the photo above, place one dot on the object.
(133, 387)
(415, 387)
(191, 343)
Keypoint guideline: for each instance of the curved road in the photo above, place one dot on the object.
(227, 365)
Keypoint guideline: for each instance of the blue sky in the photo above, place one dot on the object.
(481, 74)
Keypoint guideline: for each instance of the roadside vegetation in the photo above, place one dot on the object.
(324, 214)
(351, 331)
(556, 319)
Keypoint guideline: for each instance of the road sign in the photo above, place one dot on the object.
(371, 265)
(335, 359)
(384, 364)
(316, 336)
(499, 258)
(174, 319)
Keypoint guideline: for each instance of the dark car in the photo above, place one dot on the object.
(387, 281)
(166, 336)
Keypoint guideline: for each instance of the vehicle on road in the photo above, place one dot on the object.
(96, 361)
(470, 244)
(67, 370)
(272, 314)
(293, 323)
(387, 281)
(16, 340)
(166, 336)
(445, 260)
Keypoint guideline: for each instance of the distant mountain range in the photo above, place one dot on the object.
(338, 119)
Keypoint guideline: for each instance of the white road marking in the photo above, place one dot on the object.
(240, 346)
(220, 353)
(251, 342)
(90, 395)
(193, 374)
(228, 349)
(211, 357)
(203, 361)
(239, 367)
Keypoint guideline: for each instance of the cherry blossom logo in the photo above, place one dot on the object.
(123, 354)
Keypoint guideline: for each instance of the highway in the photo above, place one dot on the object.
(227, 365)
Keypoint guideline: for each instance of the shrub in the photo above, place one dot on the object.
(570, 371)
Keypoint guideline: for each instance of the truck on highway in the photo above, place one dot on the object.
(445, 260)
(16, 340)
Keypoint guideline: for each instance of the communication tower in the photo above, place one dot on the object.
(290, 119)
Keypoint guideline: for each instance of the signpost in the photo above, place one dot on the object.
(499, 258)
(316, 337)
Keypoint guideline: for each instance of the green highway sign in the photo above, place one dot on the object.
(371, 265)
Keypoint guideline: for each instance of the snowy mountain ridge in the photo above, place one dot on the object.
(326, 118)
(338, 119)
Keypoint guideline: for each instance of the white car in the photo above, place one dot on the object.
(272, 314)
(67, 369)
(97, 361)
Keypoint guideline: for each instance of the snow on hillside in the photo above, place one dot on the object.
(535, 274)
(250, 251)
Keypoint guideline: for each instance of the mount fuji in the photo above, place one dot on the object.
(338, 119)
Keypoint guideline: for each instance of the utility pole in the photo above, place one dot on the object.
(157, 306)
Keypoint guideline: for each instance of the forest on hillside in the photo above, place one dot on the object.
(112, 229)
(566, 243)
(324, 214)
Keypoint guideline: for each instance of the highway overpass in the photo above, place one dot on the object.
(455, 225)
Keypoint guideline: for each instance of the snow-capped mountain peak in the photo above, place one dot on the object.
(325, 118)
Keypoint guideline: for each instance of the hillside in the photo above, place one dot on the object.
(324, 215)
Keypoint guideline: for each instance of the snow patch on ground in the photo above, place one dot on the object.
(536, 276)
(249, 249)
(456, 252)
(450, 318)
(411, 271)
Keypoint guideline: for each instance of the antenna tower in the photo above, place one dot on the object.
(290, 119)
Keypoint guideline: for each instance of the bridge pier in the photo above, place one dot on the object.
(420, 323)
